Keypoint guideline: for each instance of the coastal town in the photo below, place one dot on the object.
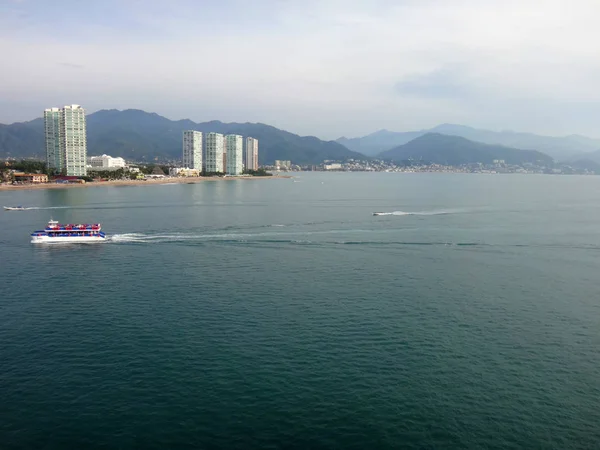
(411, 166)
(203, 155)
(105, 168)
(208, 154)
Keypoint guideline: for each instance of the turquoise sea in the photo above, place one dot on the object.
(282, 314)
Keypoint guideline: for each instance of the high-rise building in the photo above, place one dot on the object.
(66, 146)
(73, 138)
(192, 149)
(54, 156)
(235, 154)
(213, 153)
(251, 155)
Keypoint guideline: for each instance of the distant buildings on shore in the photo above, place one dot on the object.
(332, 166)
(30, 178)
(105, 162)
(66, 148)
(217, 153)
(497, 166)
(66, 143)
(282, 165)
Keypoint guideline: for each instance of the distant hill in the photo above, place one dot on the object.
(141, 136)
(379, 141)
(592, 156)
(22, 138)
(585, 164)
(560, 148)
(454, 150)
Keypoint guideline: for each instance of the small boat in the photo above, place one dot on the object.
(378, 214)
(55, 233)
(15, 208)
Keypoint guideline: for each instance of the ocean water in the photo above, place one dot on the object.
(281, 313)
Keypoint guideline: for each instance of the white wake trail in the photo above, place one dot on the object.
(437, 212)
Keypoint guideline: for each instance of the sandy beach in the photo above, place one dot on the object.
(147, 182)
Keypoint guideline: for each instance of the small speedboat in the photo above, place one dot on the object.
(378, 214)
(15, 208)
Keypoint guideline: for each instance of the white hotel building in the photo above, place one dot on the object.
(213, 154)
(66, 143)
(105, 162)
(235, 154)
(192, 149)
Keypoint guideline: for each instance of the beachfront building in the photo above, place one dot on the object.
(30, 177)
(251, 154)
(192, 149)
(105, 162)
(54, 155)
(213, 153)
(282, 165)
(235, 153)
(66, 145)
(183, 172)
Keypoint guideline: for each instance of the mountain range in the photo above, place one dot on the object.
(141, 136)
(560, 148)
(455, 150)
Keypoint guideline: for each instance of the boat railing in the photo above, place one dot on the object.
(72, 227)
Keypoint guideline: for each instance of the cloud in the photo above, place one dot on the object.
(322, 67)
(74, 66)
(442, 83)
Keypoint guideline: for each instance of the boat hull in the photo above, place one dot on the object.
(67, 239)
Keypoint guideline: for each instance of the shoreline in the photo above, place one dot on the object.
(147, 182)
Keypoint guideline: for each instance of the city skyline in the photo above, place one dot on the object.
(218, 153)
(342, 69)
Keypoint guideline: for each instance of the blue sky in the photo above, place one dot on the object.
(320, 67)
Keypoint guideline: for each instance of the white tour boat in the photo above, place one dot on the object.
(71, 233)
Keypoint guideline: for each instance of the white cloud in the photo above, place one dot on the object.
(327, 67)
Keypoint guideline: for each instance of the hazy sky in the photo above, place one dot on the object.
(321, 67)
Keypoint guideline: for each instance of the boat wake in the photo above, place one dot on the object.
(175, 237)
(257, 238)
(222, 237)
(438, 212)
(312, 239)
(140, 237)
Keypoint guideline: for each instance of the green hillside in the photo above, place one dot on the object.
(453, 150)
(141, 136)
